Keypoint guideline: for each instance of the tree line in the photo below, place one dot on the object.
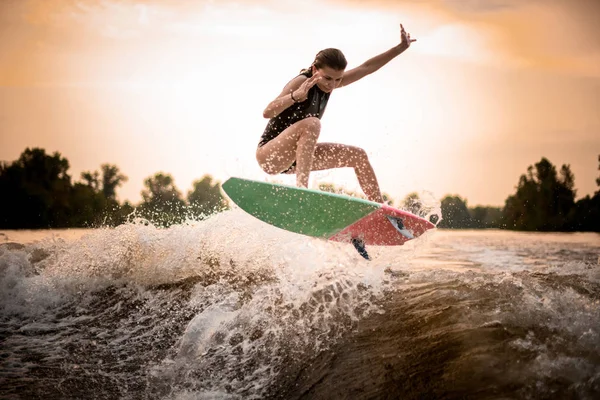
(38, 192)
(544, 201)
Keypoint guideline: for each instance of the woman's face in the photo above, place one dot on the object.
(330, 78)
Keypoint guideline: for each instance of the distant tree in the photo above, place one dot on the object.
(543, 200)
(97, 203)
(121, 213)
(162, 202)
(35, 191)
(423, 204)
(206, 198)
(412, 203)
(87, 205)
(455, 213)
(91, 179)
(387, 199)
(519, 209)
(112, 178)
(586, 213)
(486, 217)
(598, 178)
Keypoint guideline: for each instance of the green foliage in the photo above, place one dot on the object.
(37, 192)
(412, 203)
(111, 180)
(423, 204)
(206, 198)
(543, 200)
(486, 217)
(41, 194)
(598, 178)
(162, 202)
(455, 213)
(88, 204)
(586, 213)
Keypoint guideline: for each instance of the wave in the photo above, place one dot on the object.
(230, 307)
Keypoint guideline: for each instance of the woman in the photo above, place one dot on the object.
(289, 142)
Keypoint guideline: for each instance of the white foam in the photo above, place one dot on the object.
(263, 293)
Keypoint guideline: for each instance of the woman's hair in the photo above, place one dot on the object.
(332, 58)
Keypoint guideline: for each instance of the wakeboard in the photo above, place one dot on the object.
(326, 215)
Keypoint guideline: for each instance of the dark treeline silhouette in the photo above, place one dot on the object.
(544, 201)
(36, 191)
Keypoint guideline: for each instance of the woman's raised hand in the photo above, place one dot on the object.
(301, 93)
(405, 39)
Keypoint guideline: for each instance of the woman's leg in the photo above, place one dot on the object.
(335, 155)
(295, 143)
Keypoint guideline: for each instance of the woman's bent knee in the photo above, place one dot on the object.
(359, 157)
(354, 152)
(310, 128)
(362, 154)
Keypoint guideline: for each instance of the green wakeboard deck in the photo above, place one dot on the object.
(305, 211)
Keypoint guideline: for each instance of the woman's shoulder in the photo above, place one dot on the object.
(297, 80)
(306, 72)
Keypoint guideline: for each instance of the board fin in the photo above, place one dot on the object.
(359, 245)
(399, 225)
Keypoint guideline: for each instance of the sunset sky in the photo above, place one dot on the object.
(489, 87)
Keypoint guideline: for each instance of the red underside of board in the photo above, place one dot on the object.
(375, 229)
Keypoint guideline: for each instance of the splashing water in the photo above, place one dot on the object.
(230, 307)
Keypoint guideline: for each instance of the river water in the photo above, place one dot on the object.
(231, 308)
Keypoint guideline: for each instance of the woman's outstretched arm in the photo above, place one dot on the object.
(373, 64)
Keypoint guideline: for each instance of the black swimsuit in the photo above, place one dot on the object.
(313, 106)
